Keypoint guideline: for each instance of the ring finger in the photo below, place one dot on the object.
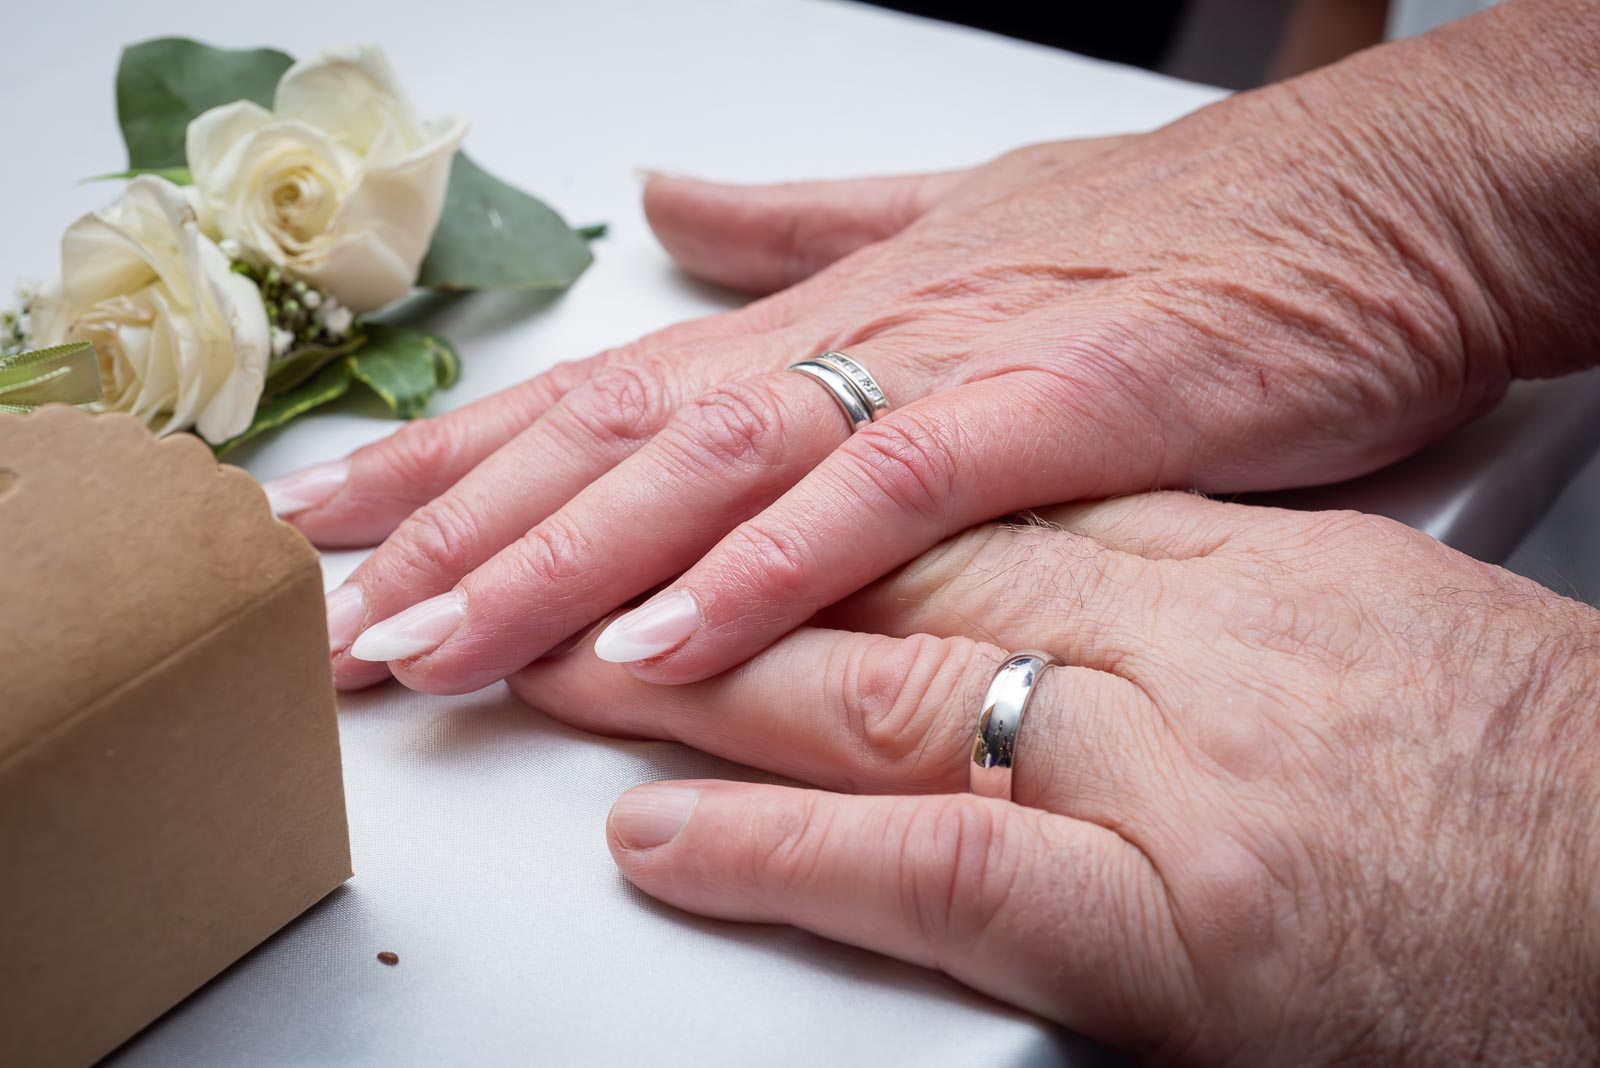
(869, 713)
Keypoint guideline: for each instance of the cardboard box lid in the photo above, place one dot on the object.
(119, 550)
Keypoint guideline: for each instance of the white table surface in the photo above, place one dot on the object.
(476, 824)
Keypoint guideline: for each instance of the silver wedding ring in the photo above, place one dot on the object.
(852, 388)
(994, 744)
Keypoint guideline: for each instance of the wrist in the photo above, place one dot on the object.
(1493, 123)
(1544, 1004)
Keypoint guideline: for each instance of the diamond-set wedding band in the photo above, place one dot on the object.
(994, 744)
(851, 386)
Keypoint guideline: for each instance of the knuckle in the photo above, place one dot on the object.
(907, 460)
(740, 424)
(897, 694)
(777, 562)
(422, 452)
(1234, 883)
(438, 538)
(1031, 573)
(798, 836)
(625, 404)
(1316, 533)
(958, 866)
(974, 556)
(553, 555)
(1099, 584)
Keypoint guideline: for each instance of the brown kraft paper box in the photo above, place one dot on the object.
(170, 789)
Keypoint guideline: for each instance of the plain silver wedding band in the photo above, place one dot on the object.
(994, 744)
(851, 386)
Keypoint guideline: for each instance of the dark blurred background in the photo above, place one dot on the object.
(1238, 44)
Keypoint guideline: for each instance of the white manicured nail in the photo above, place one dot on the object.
(422, 628)
(650, 630)
(346, 606)
(306, 489)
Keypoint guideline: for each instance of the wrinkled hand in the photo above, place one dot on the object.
(1280, 289)
(1316, 789)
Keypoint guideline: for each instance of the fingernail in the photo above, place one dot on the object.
(652, 815)
(642, 175)
(306, 489)
(346, 606)
(422, 628)
(650, 630)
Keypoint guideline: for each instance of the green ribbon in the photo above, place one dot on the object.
(60, 374)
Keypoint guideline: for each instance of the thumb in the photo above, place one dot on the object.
(763, 238)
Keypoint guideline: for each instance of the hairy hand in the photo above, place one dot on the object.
(1314, 789)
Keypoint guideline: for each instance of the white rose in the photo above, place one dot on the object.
(182, 340)
(339, 184)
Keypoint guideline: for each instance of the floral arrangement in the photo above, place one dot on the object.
(271, 208)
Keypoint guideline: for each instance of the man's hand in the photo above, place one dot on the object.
(1314, 789)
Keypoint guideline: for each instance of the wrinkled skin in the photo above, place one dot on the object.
(1292, 286)
(1314, 790)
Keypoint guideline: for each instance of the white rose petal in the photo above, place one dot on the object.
(351, 92)
(340, 184)
(182, 340)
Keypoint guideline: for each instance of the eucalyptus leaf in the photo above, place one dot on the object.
(164, 83)
(446, 362)
(330, 384)
(493, 236)
(404, 366)
(295, 367)
(175, 175)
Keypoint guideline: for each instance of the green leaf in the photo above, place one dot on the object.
(175, 175)
(330, 384)
(401, 365)
(492, 236)
(162, 84)
(446, 362)
(404, 366)
(288, 371)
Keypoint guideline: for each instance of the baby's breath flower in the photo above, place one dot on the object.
(302, 316)
(336, 318)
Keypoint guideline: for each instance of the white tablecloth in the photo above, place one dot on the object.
(476, 825)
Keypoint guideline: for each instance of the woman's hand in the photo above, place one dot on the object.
(1292, 286)
(1315, 789)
